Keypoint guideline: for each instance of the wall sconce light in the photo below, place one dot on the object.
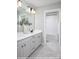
(19, 3)
(30, 10)
(33, 11)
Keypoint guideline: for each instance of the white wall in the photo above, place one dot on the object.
(39, 17)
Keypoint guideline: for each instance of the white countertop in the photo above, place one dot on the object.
(21, 35)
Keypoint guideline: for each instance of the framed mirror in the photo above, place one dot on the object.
(24, 18)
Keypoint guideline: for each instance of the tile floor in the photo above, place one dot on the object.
(49, 51)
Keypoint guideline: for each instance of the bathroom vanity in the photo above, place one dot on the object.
(28, 43)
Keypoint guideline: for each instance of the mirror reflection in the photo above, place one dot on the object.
(25, 19)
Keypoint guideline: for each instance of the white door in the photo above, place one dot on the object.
(52, 26)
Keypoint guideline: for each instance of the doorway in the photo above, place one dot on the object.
(52, 26)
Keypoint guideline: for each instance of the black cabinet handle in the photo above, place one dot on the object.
(23, 45)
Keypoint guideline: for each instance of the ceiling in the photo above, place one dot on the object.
(40, 3)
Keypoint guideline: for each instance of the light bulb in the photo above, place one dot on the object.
(28, 10)
(33, 11)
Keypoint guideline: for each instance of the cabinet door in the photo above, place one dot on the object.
(27, 48)
(19, 49)
(38, 39)
(32, 44)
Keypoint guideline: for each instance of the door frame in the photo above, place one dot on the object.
(53, 10)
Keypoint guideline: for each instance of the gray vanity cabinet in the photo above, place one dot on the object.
(27, 45)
